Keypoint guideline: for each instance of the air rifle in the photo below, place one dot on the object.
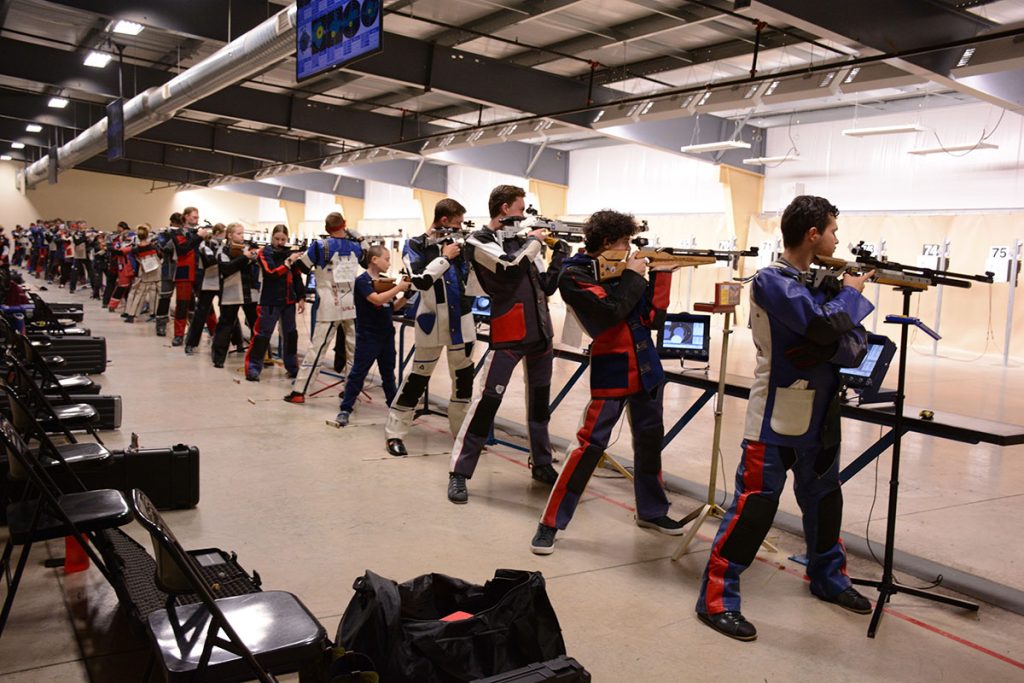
(890, 272)
(611, 264)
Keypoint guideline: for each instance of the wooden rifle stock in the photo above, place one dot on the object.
(883, 276)
(611, 265)
(384, 284)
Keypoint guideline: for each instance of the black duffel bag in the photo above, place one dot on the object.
(438, 629)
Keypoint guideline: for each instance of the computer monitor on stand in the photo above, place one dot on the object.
(866, 379)
(685, 336)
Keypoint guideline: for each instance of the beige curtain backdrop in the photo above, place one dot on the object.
(351, 209)
(551, 197)
(744, 194)
(973, 320)
(296, 213)
(427, 200)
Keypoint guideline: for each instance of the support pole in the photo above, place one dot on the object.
(943, 265)
(1014, 264)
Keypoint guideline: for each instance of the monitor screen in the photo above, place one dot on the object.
(332, 33)
(685, 336)
(873, 367)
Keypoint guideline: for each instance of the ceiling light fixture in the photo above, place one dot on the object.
(128, 28)
(883, 130)
(720, 146)
(17, 145)
(965, 58)
(5, 157)
(852, 75)
(57, 102)
(953, 148)
(33, 128)
(765, 161)
(97, 60)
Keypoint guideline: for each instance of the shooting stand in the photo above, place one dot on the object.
(710, 508)
(887, 585)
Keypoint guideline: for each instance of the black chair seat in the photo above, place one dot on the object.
(75, 453)
(41, 343)
(76, 384)
(72, 416)
(54, 361)
(275, 626)
(88, 510)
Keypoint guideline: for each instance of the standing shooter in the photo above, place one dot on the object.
(334, 262)
(625, 373)
(444, 321)
(512, 272)
(803, 335)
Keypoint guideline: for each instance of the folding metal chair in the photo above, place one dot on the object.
(264, 633)
(47, 512)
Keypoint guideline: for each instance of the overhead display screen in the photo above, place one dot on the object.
(332, 33)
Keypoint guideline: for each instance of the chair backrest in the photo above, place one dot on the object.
(19, 457)
(175, 569)
(17, 433)
(177, 572)
(34, 403)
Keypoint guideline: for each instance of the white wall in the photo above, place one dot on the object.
(877, 174)
(642, 181)
(472, 187)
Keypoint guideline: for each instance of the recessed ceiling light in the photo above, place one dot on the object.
(17, 145)
(57, 102)
(128, 28)
(97, 60)
(33, 128)
(5, 157)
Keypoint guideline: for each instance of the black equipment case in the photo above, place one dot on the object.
(69, 311)
(107, 407)
(169, 476)
(561, 670)
(82, 355)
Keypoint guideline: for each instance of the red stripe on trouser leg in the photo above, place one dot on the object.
(753, 481)
(583, 437)
(255, 333)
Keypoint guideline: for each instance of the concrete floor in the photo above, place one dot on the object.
(311, 507)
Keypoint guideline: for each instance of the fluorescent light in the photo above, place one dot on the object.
(57, 102)
(129, 28)
(883, 130)
(720, 146)
(764, 161)
(852, 75)
(33, 128)
(965, 58)
(953, 148)
(17, 145)
(97, 60)
(5, 157)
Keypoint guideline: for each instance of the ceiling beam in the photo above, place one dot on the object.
(219, 20)
(911, 25)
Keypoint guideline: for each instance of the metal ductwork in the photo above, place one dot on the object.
(249, 54)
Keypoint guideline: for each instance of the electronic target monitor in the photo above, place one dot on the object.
(866, 379)
(686, 336)
(333, 33)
